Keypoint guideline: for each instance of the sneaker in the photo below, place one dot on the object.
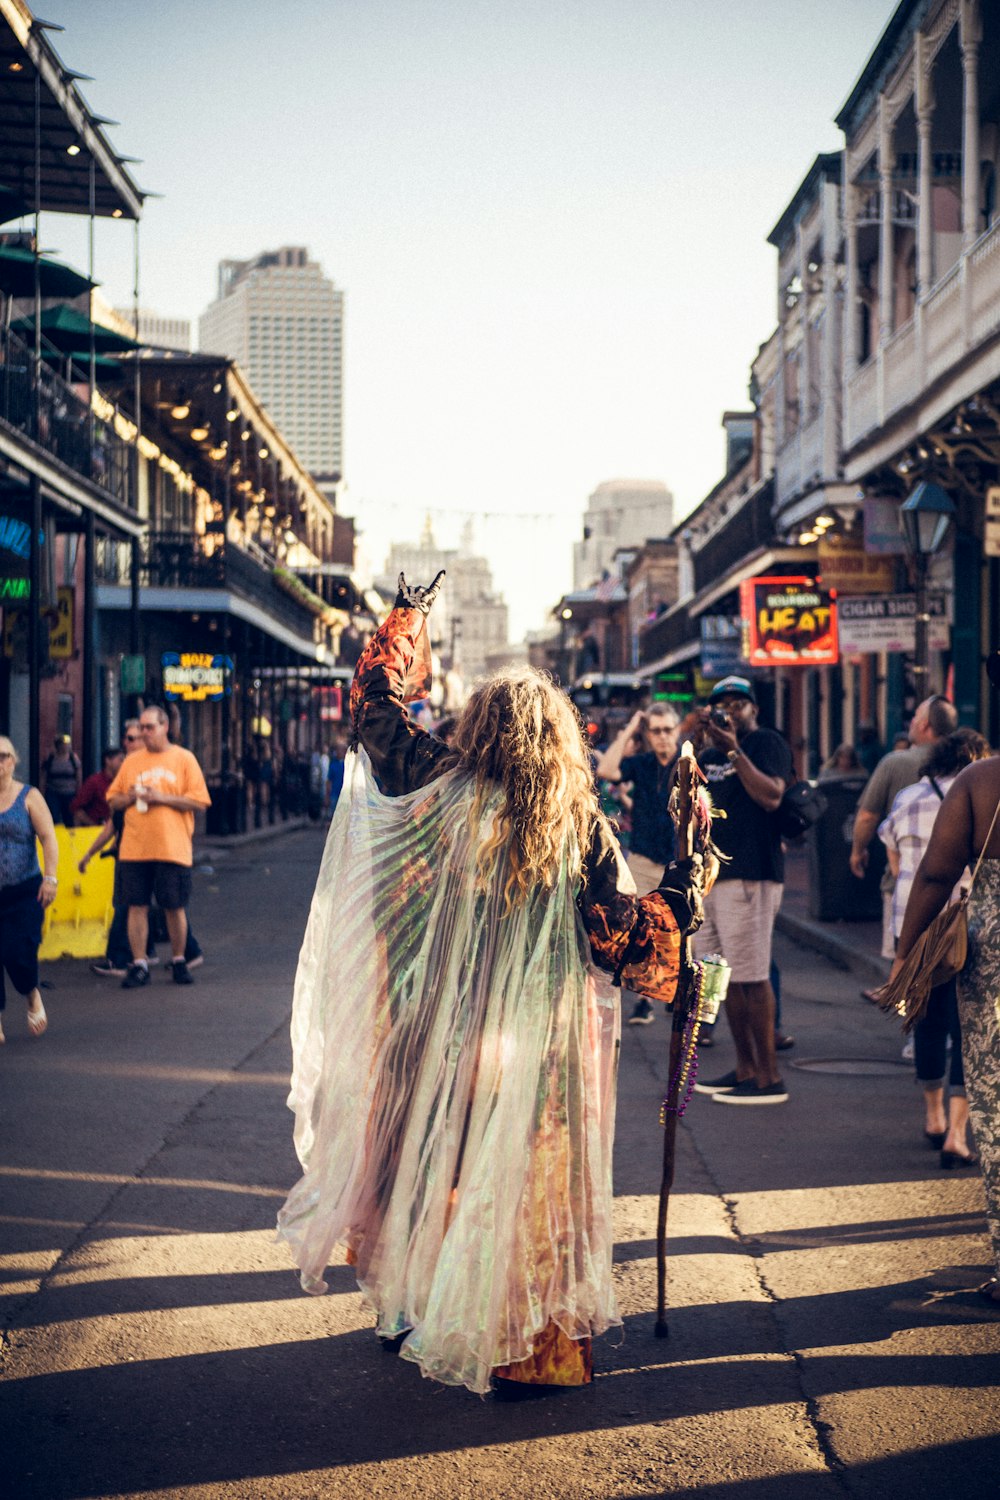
(717, 1085)
(107, 969)
(137, 976)
(782, 1041)
(748, 1092)
(643, 1015)
(706, 1037)
(180, 972)
(196, 962)
(152, 959)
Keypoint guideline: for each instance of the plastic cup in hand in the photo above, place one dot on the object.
(141, 805)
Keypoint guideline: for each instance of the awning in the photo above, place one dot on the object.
(674, 658)
(71, 134)
(17, 274)
(760, 563)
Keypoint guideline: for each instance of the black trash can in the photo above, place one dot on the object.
(835, 895)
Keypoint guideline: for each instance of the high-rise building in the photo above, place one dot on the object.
(620, 513)
(157, 331)
(282, 321)
(469, 620)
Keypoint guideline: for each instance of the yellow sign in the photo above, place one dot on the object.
(195, 676)
(844, 565)
(59, 621)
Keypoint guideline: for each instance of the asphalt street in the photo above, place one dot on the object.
(826, 1339)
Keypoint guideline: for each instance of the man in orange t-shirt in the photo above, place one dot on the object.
(160, 788)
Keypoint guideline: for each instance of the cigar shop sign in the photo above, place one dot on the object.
(195, 676)
(868, 626)
(788, 622)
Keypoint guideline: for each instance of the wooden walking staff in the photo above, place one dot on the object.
(684, 812)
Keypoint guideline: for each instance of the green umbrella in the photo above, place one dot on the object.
(69, 331)
(17, 274)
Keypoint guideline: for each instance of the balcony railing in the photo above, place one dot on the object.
(175, 559)
(751, 527)
(961, 314)
(37, 403)
(668, 633)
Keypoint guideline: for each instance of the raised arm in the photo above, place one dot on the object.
(626, 742)
(403, 755)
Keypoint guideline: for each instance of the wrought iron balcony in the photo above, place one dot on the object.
(38, 403)
(747, 530)
(666, 634)
(179, 560)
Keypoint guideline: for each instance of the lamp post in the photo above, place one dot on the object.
(565, 615)
(924, 518)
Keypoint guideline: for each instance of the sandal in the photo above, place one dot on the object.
(990, 1291)
(37, 1019)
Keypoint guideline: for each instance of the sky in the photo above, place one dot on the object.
(549, 218)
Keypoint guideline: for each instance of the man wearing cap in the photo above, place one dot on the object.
(748, 770)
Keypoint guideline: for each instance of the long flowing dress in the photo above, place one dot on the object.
(979, 1011)
(455, 1061)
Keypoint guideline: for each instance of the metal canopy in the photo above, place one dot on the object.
(65, 121)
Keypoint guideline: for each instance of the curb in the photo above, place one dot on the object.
(252, 836)
(841, 950)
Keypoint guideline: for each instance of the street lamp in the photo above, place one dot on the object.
(924, 518)
(565, 615)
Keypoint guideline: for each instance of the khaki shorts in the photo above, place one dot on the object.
(646, 873)
(739, 924)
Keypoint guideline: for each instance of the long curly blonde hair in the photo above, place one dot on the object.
(518, 731)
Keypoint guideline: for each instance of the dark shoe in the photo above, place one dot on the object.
(782, 1042)
(180, 973)
(950, 1159)
(748, 1092)
(643, 1015)
(197, 960)
(522, 1390)
(706, 1036)
(935, 1138)
(137, 976)
(717, 1085)
(990, 1291)
(107, 970)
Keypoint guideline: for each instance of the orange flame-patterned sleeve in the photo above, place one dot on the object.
(635, 939)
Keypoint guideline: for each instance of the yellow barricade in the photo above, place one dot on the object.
(77, 922)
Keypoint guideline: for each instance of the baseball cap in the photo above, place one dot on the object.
(733, 687)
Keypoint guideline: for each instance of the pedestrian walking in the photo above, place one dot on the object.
(966, 828)
(648, 770)
(906, 833)
(159, 788)
(748, 769)
(934, 718)
(61, 776)
(90, 805)
(454, 1059)
(25, 891)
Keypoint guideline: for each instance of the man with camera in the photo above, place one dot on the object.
(626, 759)
(748, 770)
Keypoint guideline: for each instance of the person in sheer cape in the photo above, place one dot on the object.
(454, 1041)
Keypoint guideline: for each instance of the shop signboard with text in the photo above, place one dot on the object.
(788, 622)
(847, 568)
(196, 676)
(721, 645)
(867, 626)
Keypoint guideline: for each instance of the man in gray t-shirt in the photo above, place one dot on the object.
(934, 719)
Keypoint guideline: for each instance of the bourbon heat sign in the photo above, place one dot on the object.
(788, 622)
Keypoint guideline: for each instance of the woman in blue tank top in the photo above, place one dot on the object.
(24, 891)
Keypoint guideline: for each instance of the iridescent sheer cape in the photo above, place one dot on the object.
(453, 1086)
